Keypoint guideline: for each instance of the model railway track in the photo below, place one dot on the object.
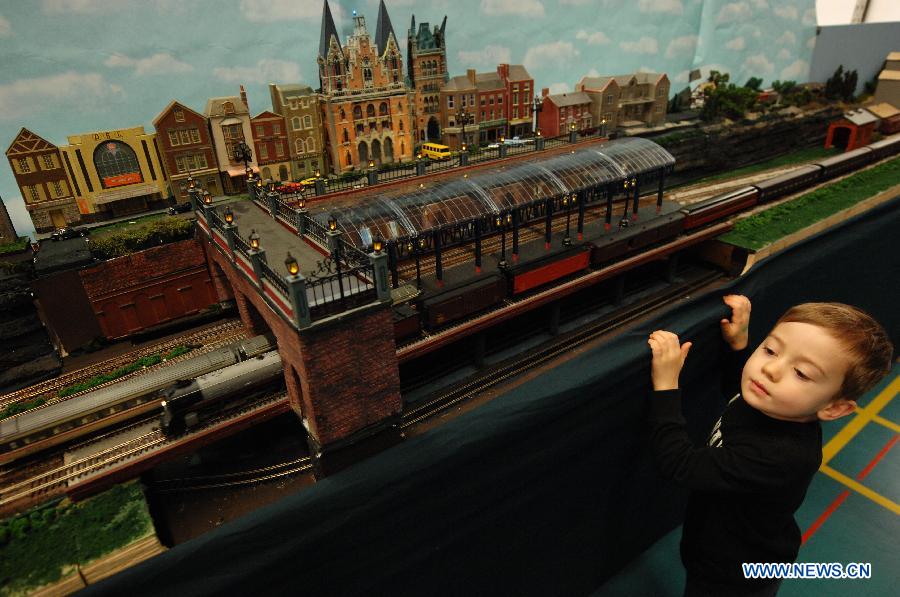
(54, 482)
(259, 475)
(496, 376)
(210, 338)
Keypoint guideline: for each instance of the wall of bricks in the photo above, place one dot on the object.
(349, 381)
(150, 287)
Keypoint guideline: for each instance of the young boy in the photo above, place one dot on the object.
(761, 455)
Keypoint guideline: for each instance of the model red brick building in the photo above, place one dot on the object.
(187, 150)
(272, 148)
(559, 111)
(853, 130)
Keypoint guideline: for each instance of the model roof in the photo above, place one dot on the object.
(890, 75)
(569, 99)
(171, 105)
(407, 210)
(328, 31)
(883, 110)
(860, 117)
(215, 106)
(383, 29)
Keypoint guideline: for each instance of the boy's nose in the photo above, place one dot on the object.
(772, 370)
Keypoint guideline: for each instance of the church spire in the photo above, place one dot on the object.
(383, 29)
(328, 31)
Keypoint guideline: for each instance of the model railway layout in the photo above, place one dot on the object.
(457, 302)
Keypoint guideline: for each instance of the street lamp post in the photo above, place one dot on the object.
(463, 117)
(502, 222)
(536, 107)
(567, 240)
(243, 153)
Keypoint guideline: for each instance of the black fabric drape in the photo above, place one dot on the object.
(545, 490)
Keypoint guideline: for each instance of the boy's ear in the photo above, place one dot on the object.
(837, 408)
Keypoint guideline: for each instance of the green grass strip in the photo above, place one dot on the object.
(20, 407)
(14, 247)
(788, 159)
(141, 363)
(781, 220)
(44, 544)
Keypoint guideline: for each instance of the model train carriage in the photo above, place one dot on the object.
(886, 147)
(547, 268)
(636, 236)
(845, 162)
(461, 301)
(189, 404)
(718, 207)
(785, 184)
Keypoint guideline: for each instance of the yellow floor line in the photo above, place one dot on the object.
(863, 416)
(861, 489)
(889, 424)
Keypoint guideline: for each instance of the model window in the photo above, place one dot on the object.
(343, 114)
(179, 116)
(34, 193)
(23, 165)
(173, 138)
(298, 145)
(449, 101)
(383, 109)
(185, 137)
(201, 161)
(260, 130)
(516, 112)
(370, 111)
(276, 129)
(401, 125)
(195, 136)
(264, 152)
(48, 161)
(117, 164)
(357, 112)
(228, 108)
(293, 103)
(491, 100)
(232, 131)
(57, 189)
(295, 123)
(310, 144)
(499, 99)
(609, 98)
(307, 121)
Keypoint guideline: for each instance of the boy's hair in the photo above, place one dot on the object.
(867, 342)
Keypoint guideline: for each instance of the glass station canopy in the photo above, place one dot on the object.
(410, 211)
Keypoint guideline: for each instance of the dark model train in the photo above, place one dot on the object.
(61, 422)
(456, 302)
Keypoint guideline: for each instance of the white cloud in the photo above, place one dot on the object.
(30, 96)
(736, 11)
(559, 88)
(787, 12)
(645, 45)
(266, 70)
(681, 45)
(592, 73)
(784, 54)
(646, 69)
(555, 54)
(51, 7)
(598, 38)
(273, 11)
(737, 43)
(515, 8)
(796, 71)
(489, 56)
(760, 4)
(674, 7)
(788, 38)
(811, 42)
(809, 17)
(158, 64)
(5, 27)
(758, 65)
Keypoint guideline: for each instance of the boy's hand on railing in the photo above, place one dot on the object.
(736, 331)
(668, 359)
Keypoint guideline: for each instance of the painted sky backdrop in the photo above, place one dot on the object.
(79, 66)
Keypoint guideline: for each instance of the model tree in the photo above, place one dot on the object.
(842, 84)
(724, 99)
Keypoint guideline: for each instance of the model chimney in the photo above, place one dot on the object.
(244, 98)
(470, 74)
(503, 71)
(545, 92)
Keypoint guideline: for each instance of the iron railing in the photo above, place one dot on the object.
(273, 277)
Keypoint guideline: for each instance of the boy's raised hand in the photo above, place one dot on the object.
(668, 359)
(736, 331)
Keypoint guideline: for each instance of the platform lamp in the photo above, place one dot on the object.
(623, 223)
(254, 240)
(207, 198)
(377, 245)
(603, 127)
(502, 220)
(229, 215)
(291, 265)
(567, 203)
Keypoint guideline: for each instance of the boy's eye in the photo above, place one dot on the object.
(801, 375)
(768, 350)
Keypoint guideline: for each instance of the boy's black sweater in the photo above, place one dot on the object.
(747, 483)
